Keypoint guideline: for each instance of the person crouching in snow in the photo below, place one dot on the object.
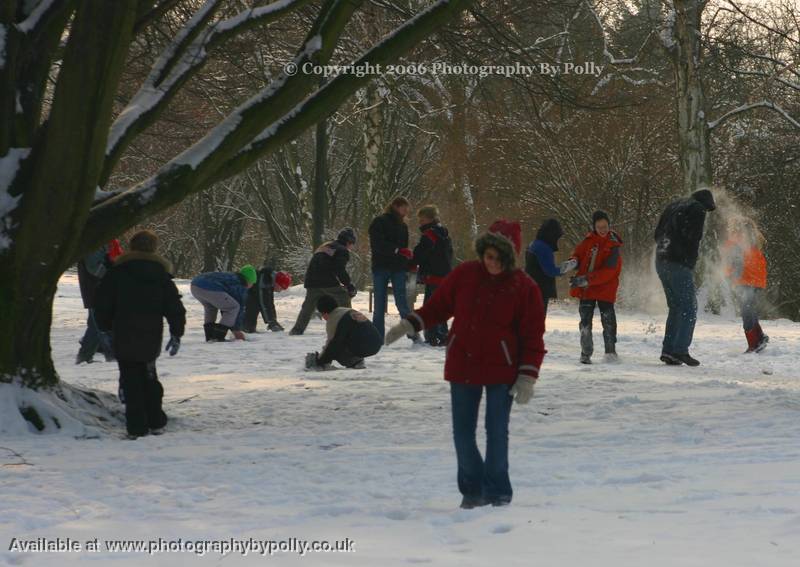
(351, 337)
(746, 266)
(132, 300)
(599, 258)
(496, 345)
(261, 298)
(225, 292)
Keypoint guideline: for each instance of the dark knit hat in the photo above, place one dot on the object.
(706, 198)
(505, 237)
(347, 236)
(550, 232)
(326, 304)
(599, 215)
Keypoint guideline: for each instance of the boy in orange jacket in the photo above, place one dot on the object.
(599, 260)
(746, 265)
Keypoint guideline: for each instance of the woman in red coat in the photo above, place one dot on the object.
(495, 344)
(599, 260)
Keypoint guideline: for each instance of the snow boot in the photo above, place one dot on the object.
(215, 333)
(756, 339)
(670, 359)
(586, 358)
(470, 502)
(687, 359)
(274, 326)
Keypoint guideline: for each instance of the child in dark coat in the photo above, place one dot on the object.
(351, 337)
(132, 301)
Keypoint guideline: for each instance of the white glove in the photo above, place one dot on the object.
(568, 266)
(404, 327)
(522, 390)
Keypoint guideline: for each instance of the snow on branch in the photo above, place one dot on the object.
(36, 16)
(747, 107)
(178, 63)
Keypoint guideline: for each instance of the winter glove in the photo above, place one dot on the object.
(568, 266)
(522, 390)
(312, 362)
(173, 345)
(579, 281)
(351, 290)
(238, 334)
(406, 253)
(404, 327)
(311, 359)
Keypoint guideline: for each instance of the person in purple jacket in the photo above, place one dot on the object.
(540, 260)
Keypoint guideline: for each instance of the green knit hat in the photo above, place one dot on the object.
(248, 273)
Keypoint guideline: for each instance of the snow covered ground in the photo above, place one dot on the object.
(623, 464)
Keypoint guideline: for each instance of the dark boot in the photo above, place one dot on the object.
(274, 326)
(687, 359)
(670, 359)
(218, 332)
(208, 329)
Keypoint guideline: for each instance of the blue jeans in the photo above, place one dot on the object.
(436, 335)
(478, 478)
(380, 287)
(94, 339)
(750, 297)
(678, 282)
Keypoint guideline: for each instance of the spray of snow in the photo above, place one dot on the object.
(640, 287)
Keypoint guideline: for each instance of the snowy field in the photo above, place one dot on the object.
(624, 464)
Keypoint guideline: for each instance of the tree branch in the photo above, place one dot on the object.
(747, 107)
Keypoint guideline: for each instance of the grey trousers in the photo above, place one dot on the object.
(214, 301)
(310, 304)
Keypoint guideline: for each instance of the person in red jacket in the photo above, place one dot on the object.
(746, 266)
(495, 344)
(599, 258)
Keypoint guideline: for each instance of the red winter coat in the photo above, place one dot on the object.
(600, 259)
(498, 324)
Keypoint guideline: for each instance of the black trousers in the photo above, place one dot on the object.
(142, 394)
(253, 308)
(608, 318)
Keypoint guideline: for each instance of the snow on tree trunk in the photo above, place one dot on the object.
(693, 130)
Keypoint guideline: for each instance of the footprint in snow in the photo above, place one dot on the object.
(502, 529)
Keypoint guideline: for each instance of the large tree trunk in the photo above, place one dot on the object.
(693, 130)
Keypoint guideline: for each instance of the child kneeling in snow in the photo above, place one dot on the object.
(351, 337)
(132, 301)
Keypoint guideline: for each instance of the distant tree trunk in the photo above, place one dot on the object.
(320, 199)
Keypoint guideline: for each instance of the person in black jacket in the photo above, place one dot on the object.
(327, 275)
(540, 261)
(433, 255)
(678, 236)
(261, 298)
(388, 242)
(351, 337)
(132, 300)
(91, 270)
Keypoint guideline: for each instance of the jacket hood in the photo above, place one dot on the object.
(550, 232)
(437, 226)
(503, 245)
(143, 265)
(705, 198)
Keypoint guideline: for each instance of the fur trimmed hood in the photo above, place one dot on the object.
(147, 256)
(502, 245)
